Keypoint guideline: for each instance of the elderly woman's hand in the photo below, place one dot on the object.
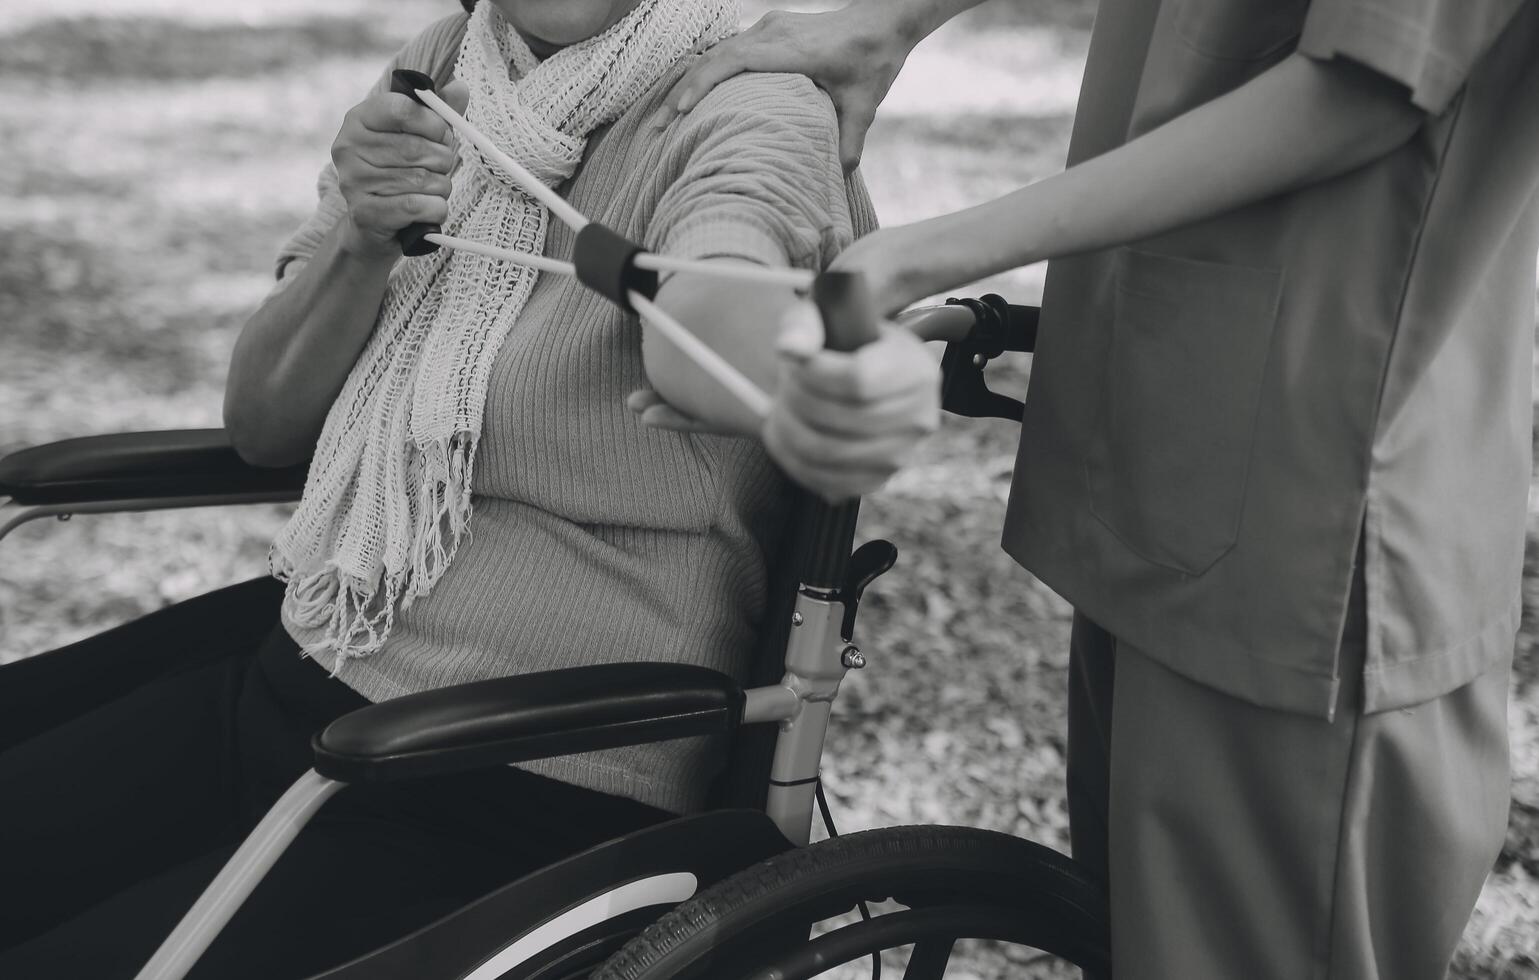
(840, 424)
(853, 54)
(843, 424)
(393, 159)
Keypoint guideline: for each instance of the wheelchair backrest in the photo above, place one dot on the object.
(744, 782)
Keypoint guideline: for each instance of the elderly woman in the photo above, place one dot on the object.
(481, 501)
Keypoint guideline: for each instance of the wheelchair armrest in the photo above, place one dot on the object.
(155, 468)
(530, 716)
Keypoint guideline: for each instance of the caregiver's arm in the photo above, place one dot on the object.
(1300, 123)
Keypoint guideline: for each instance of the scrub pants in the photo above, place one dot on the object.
(1243, 842)
(112, 822)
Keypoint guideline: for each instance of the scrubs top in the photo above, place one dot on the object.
(1214, 413)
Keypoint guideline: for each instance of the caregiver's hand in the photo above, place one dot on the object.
(393, 159)
(853, 54)
(842, 424)
(898, 264)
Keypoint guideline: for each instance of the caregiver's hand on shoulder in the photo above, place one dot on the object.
(853, 54)
(843, 424)
(393, 159)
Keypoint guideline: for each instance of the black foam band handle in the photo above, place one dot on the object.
(404, 81)
(606, 264)
(849, 315)
(849, 322)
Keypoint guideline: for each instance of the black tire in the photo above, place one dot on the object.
(957, 882)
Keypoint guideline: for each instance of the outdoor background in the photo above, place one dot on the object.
(156, 153)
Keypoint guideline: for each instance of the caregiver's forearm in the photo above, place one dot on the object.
(916, 19)
(1300, 123)
(741, 322)
(296, 351)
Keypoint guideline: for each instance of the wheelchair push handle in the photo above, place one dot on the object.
(413, 238)
(849, 322)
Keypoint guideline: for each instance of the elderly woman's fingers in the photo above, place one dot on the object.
(842, 424)
(856, 378)
(404, 150)
(457, 94)
(801, 332)
(907, 412)
(655, 413)
(403, 180)
(837, 453)
(895, 363)
(404, 115)
(393, 159)
(821, 465)
(397, 211)
(391, 112)
(642, 399)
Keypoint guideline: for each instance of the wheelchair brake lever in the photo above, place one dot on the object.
(963, 388)
(870, 562)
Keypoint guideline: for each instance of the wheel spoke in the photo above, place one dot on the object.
(929, 959)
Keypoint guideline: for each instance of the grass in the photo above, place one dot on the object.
(159, 150)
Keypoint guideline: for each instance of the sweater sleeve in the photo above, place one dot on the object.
(762, 180)
(435, 52)
(1429, 46)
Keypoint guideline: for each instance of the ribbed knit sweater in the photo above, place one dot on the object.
(595, 539)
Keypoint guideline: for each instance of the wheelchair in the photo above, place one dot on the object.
(736, 892)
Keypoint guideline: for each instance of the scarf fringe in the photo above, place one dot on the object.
(356, 614)
(353, 616)
(444, 503)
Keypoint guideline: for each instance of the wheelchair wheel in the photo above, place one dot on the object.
(955, 882)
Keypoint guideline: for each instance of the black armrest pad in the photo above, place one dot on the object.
(530, 716)
(139, 466)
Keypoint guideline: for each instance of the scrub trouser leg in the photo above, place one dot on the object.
(1240, 841)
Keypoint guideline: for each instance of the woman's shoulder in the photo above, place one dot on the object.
(770, 111)
(435, 49)
(774, 95)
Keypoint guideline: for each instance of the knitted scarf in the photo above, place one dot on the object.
(388, 499)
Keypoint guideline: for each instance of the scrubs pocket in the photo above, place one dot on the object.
(1167, 468)
(1239, 30)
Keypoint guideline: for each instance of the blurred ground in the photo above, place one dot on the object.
(158, 151)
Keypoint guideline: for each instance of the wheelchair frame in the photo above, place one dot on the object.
(628, 881)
